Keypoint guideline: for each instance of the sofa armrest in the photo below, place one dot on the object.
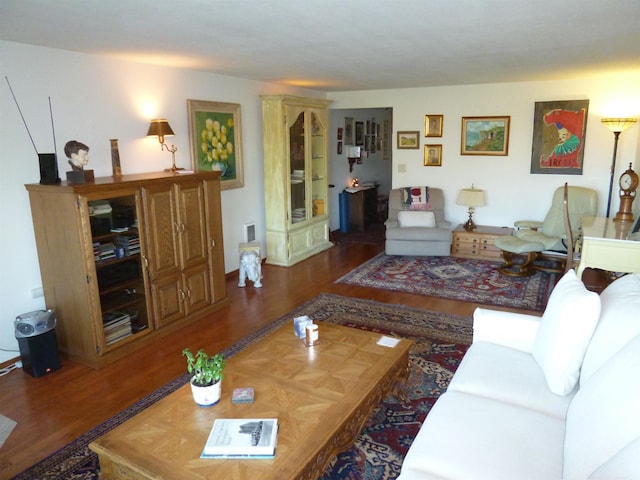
(444, 224)
(513, 330)
(530, 224)
(391, 223)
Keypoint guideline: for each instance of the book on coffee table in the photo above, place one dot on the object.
(242, 438)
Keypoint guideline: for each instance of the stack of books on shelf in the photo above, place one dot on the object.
(298, 214)
(297, 177)
(117, 325)
(130, 243)
(105, 251)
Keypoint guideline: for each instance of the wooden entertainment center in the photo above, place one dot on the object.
(126, 259)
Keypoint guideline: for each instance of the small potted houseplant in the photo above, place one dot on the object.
(207, 376)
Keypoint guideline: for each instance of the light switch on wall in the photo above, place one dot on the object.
(402, 168)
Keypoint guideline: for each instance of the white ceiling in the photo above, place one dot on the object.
(340, 45)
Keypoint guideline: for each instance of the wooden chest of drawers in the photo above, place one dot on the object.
(478, 243)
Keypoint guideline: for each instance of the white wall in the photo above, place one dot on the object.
(512, 192)
(95, 99)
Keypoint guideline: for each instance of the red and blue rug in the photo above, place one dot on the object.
(460, 279)
(440, 341)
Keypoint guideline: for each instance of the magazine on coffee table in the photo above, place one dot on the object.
(242, 438)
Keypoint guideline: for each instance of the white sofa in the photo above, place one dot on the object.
(542, 398)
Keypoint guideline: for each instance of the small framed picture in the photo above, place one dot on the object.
(433, 155)
(433, 125)
(409, 139)
(360, 133)
(485, 136)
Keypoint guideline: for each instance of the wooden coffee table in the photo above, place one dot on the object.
(321, 395)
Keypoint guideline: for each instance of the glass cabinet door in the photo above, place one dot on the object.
(318, 167)
(297, 171)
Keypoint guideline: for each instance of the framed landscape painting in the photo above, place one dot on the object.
(409, 139)
(559, 130)
(485, 136)
(215, 136)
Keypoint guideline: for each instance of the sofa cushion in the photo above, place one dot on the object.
(622, 465)
(512, 376)
(619, 322)
(470, 437)
(418, 234)
(409, 218)
(603, 418)
(566, 327)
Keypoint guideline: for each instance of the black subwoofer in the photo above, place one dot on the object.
(36, 335)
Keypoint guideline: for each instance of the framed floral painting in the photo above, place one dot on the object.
(215, 136)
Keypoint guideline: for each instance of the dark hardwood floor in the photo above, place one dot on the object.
(53, 410)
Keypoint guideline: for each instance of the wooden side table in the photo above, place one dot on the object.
(478, 243)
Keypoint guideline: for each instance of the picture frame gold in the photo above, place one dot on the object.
(215, 137)
(433, 155)
(433, 125)
(408, 139)
(485, 136)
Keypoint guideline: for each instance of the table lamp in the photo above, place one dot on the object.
(161, 128)
(471, 197)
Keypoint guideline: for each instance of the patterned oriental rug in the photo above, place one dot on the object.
(466, 280)
(440, 341)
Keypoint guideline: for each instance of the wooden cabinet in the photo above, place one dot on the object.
(127, 259)
(363, 207)
(295, 177)
(478, 243)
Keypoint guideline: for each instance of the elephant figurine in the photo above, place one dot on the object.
(251, 268)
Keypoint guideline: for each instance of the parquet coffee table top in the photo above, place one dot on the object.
(321, 395)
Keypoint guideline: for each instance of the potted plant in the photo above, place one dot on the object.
(207, 376)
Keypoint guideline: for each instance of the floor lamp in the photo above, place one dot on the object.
(617, 126)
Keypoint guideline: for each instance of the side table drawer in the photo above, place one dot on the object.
(478, 243)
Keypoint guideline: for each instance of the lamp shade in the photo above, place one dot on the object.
(618, 124)
(471, 197)
(160, 127)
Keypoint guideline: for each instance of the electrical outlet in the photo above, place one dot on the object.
(37, 292)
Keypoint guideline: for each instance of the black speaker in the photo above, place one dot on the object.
(36, 335)
(48, 168)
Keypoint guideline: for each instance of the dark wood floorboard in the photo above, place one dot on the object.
(53, 410)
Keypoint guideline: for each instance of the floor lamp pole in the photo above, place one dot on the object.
(613, 169)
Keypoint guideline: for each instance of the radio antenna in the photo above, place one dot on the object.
(23, 120)
(53, 130)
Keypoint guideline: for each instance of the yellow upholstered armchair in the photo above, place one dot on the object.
(547, 239)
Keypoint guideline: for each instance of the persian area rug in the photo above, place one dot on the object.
(440, 341)
(461, 279)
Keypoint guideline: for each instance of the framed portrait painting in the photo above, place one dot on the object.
(559, 130)
(433, 155)
(215, 136)
(433, 125)
(485, 136)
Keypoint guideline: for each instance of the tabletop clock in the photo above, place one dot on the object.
(628, 184)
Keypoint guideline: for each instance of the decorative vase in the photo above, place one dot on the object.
(206, 396)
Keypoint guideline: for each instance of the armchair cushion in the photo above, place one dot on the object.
(567, 325)
(409, 218)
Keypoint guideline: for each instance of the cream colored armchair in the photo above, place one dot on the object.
(547, 239)
(417, 229)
